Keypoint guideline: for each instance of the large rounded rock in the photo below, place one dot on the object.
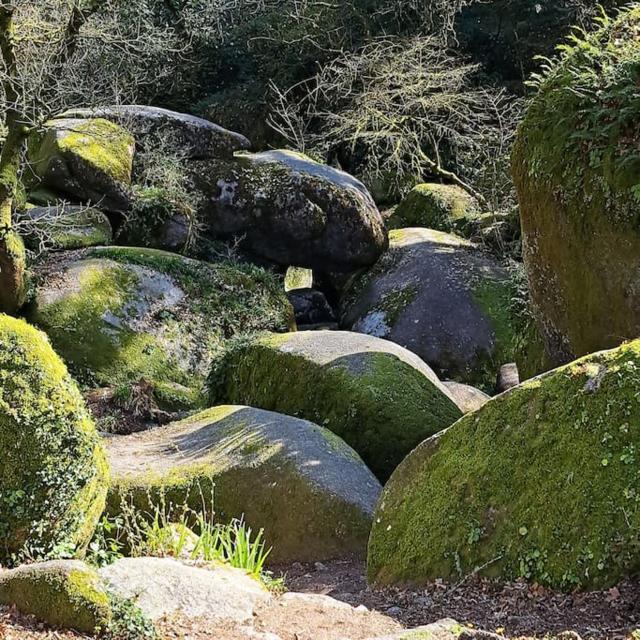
(53, 474)
(540, 483)
(380, 398)
(444, 207)
(60, 593)
(122, 315)
(575, 165)
(187, 135)
(292, 210)
(441, 297)
(310, 492)
(85, 160)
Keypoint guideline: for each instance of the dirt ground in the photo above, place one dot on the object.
(514, 610)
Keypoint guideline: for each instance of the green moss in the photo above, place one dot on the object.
(442, 207)
(172, 352)
(378, 404)
(540, 483)
(53, 473)
(63, 595)
(576, 168)
(101, 144)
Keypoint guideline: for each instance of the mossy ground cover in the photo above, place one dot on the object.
(541, 483)
(168, 347)
(53, 472)
(576, 167)
(378, 404)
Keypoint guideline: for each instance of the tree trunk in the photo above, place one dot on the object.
(12, 253)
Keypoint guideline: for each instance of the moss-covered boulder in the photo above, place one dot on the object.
(291, 210)
(121, 315)
(310, 492)
(541, 483)
(186, 135)
(53, 475)
(62, 593)
(65, 227)
(576, 168)
(444, 207)
(85, 160)
(443, 298)
(380, 398)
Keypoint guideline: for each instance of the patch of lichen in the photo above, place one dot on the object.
(69, 599)
(576, 170)
(53, 474)
(541, 483)
(442, 207)
(221, 301)
(379, 405)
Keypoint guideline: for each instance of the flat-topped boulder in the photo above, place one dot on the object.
(122, 315)
(291, 210)
(380, 398)
(192, 136)
(308, 490)
(441, 297)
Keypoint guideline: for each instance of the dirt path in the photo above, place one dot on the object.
(511, 609)
(514, 610)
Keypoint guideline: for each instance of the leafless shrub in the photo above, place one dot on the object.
(406, 109)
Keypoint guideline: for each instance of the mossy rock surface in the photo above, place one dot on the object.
(62, 593)
(85, 160)
(121, 315)
(443, 298)
(291, 210)
(443, 207)
(53, 474)
(381, 399)
(541, 483)
(310, 492)
(187, 135)
(66, 227)
(576, 167)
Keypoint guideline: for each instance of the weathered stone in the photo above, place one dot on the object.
(311, 307)
(122, 315)
(307, 489)
(61, 593)
(467, 398)
(380, 398)
(441, 297)
(53, 474)
(90, 161)
(191, 136)
(540, 483)
(292, 210)
(66, 227)
(164, 586)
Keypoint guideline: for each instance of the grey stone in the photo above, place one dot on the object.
(193, 136)
(468, 398)
(310, 492)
